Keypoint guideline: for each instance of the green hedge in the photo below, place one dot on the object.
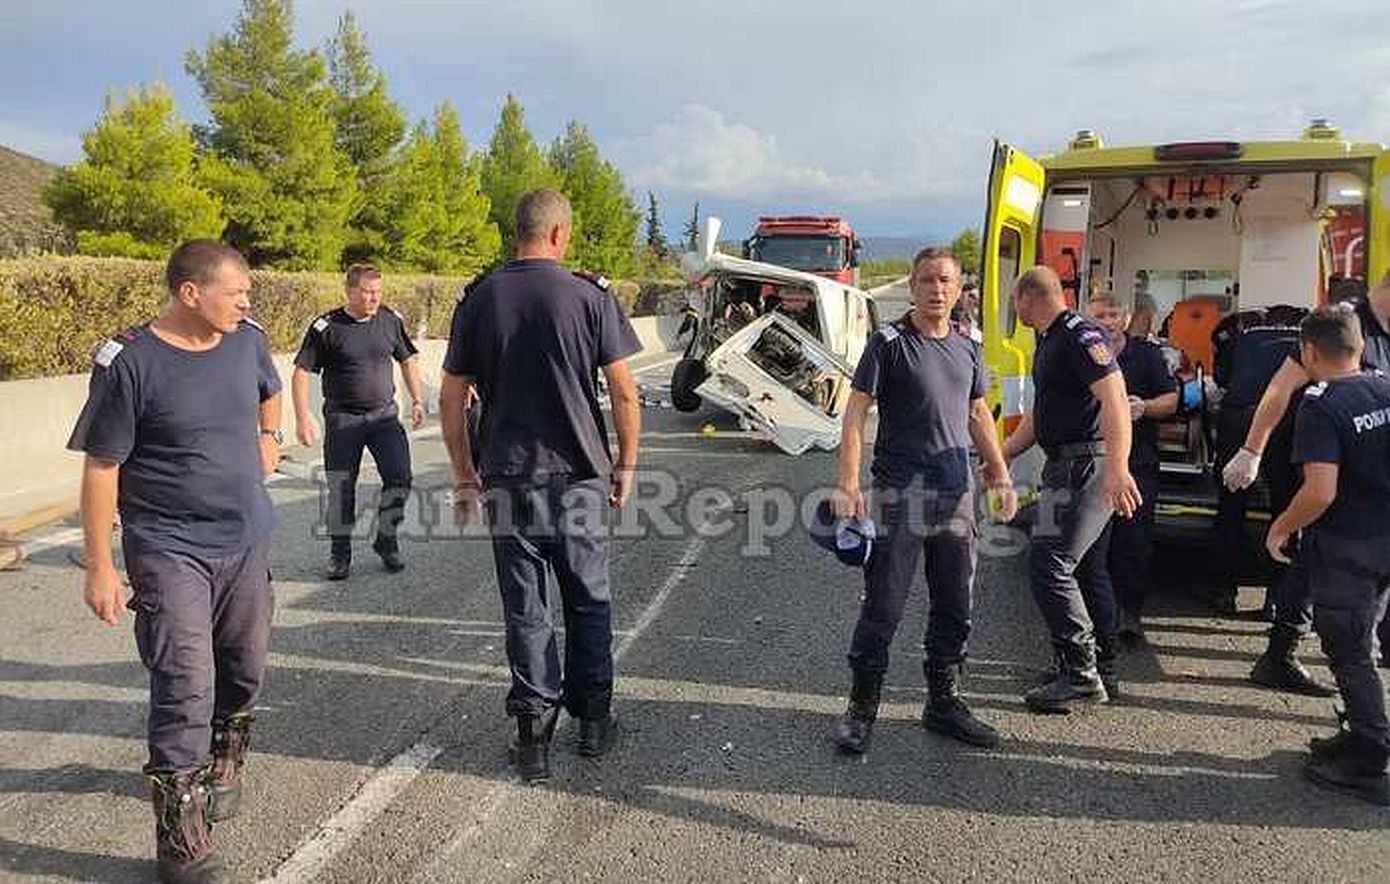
(55, 310)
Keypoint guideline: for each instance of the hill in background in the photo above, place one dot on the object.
(26, 224)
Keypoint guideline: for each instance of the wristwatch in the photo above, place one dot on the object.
(276, 434)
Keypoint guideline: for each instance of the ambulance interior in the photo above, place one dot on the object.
(1199, 247)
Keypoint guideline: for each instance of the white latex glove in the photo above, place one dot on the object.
(1136, 408)
(1242, 469)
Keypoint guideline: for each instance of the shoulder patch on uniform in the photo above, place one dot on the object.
(1315, 390)
(1076, 319)
(107, 353)
(890, 332)
(598, 279)
(1100, 353)
(320, 324)
(254, 324)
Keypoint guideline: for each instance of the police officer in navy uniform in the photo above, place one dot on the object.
(353, 346)
(532, 338)
(1342, 441)
(1278, 667)
(181, 425)
(1081, 419)
(1152, 396)
(929, 382)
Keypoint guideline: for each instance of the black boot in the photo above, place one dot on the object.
(339, 559)
(1107, 662)
(1357, 770)
(390, 552)
(230, 743)
(947, 714)
(1278, 668)
(597, 735)
(857, 724)
(530, 751)
(1077, 683)
(183, 838)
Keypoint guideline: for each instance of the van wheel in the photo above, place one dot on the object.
(685, 377)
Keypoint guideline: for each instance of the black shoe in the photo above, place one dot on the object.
(597, 735)
(945, 712)
(952, 718)
(339, 567)
(1327, 748)
(1075, 687)
(183, 837)
(856, 726)
(1357, 770)
(390, 554)
(1131, 631)
(1287, 674)
(1107, 664)
(1226, 601)
(529, 751)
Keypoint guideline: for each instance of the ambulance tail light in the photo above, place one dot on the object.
(1184, 151)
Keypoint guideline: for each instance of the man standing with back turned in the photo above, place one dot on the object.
(532, 338)
(1342, 439)
(181, 425)
(929, 381)
(353, 346)
(1081, 418)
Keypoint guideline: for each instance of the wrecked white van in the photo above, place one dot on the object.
(777, 347)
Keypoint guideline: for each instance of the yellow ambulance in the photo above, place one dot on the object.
(1197, 230)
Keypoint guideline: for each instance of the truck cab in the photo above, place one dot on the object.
(826, 246)
(1199, 231)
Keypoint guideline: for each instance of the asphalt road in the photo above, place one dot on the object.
(379, 753)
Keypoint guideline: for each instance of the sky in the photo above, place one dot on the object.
(881, 110)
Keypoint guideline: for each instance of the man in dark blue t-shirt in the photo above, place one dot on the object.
(1342, 439)
(929, 382)
(1153, 396)
(1081, 419)
(181, 425)
(355, 346)
(532, 338)
(1293, 611)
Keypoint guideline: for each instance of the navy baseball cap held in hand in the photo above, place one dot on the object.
(850, 540)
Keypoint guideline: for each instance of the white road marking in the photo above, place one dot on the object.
(375, 796)
(49, 541)
(494, 798)
(380, 789)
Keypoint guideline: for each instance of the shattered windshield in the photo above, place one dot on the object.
(811, 253)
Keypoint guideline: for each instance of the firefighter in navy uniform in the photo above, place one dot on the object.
(1342, 441)
(1278, 667)
(1152, 396)
(929, 382)
(181, 425)
(354, 346)
(532, 338)
(1081, 419)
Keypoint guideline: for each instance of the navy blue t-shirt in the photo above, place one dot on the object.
(533, 336)
(1256, 355)
(355, 356)
(1146, 376)
(924, 387)
(1347, 422)
(184, 425)
(1071, 355)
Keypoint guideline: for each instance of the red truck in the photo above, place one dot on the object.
(826, 246)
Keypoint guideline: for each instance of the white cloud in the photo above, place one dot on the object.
(703, 152)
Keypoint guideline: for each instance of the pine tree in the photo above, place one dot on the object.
(605, 218)
(966, 248)
(513, 165)
(691, 233)
(370, 125)
(656, 239)
(289, 190)
(134, 193)
(436, 215)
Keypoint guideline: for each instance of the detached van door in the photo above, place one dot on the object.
(1016, 183)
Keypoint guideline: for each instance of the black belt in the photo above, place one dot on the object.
(1094, 448)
